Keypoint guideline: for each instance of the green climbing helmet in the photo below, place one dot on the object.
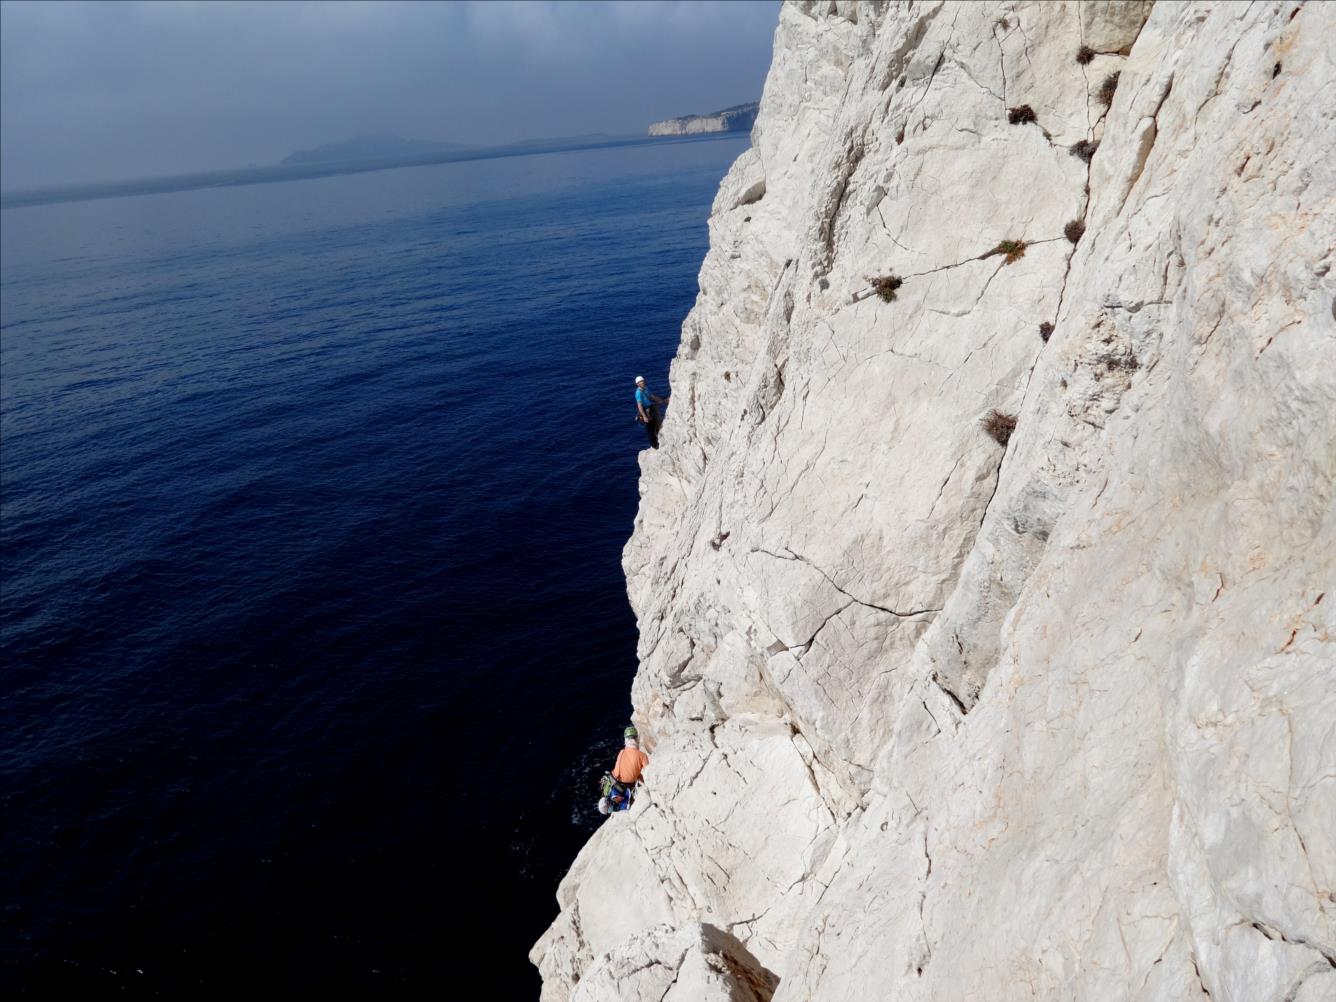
(630, 732)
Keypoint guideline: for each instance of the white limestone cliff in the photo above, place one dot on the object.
(738, 118)
(932, 717)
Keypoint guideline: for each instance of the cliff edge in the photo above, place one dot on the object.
(939, 713)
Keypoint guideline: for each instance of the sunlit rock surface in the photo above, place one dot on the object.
(937, 717)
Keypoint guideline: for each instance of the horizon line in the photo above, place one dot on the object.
(245, 176)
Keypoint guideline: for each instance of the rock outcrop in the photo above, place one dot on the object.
(738, 118)
(937, 715)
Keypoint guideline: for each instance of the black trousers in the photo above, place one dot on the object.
(652, 427)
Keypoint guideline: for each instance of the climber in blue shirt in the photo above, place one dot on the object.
(646, 411)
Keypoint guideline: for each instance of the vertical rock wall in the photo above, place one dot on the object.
(938, 717)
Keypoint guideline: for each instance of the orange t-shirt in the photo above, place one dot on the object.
(630, 762)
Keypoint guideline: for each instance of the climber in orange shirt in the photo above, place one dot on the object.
(619, 785)
(631, 761)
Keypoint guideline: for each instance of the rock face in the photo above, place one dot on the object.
(738, 118)
(698, 963)
(934, 716)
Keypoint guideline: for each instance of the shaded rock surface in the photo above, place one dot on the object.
(935, 717)
(698, 963)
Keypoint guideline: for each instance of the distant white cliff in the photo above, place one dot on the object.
(986, 576)
(738, 118)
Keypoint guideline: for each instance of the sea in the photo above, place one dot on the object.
(313, 628)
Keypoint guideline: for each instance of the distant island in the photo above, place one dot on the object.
(738, 118)
(369, 148)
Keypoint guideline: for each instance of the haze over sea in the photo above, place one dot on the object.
(312, 500)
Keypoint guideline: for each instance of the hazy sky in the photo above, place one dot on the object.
(92, 92)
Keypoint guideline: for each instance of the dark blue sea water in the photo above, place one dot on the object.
(312, 498)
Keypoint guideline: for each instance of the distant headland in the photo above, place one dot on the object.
(738, 118)
(370, 147)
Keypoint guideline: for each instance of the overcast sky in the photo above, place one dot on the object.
(92, 92)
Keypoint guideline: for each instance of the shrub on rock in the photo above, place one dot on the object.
(1085, 149)
(886, 287)
(999, 427)
(1013, 249)
(1107, 88)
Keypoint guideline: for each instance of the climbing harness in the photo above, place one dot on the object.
(616, 796)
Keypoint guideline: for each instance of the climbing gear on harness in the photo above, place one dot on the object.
(616, 796)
